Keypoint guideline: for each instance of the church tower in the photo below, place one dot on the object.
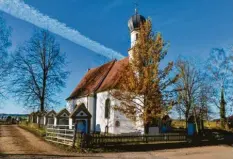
(134, 24)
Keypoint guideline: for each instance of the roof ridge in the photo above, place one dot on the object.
(113, 76)
(102, 65)
(97, 87)
(86, 80)
(64, 109)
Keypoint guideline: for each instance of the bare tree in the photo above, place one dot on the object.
(5, 43)
(187, 87)
(218, 66)
(178, 108)
(230, 50)
(203, 105)
(39, 71)
(194, 92)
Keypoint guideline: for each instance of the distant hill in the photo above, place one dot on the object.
(13, 115)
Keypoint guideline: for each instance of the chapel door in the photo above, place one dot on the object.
(82, 126)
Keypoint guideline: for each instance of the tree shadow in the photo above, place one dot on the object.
(164, 146)
(3, 155)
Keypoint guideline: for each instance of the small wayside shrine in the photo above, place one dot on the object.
(40, 117)
(80, 117)
(62, 118)
(49, 117)
(33, 117)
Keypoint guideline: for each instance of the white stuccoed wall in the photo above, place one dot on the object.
(98, 120)
(45, 120)
(55, 121)
(89, 102)
(37, 120)
(70, 123)
(126, 125)
(92, 109)
(71, 103)
(133, 37)
(139, 123)
(101, 121)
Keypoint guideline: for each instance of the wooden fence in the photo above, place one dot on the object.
(107, 140)
(60, 134)
(63, 135)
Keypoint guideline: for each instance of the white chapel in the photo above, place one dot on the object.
(93, 93)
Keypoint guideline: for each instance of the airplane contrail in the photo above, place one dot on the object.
(19, 9)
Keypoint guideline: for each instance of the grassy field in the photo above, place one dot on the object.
(3, 122)
(207, 124)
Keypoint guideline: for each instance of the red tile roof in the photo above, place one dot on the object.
(99, 79)
(113, 76)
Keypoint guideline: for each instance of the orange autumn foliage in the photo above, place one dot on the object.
(143, 90)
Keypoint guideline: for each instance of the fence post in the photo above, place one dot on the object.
(75, 132)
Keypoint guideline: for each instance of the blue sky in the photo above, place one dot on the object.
(192, 27)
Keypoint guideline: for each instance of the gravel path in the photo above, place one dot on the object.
(18, 143)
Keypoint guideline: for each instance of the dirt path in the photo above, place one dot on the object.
(19, 143)
(16, 142)
(207, 152)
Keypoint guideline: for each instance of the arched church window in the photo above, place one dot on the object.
(107, 108)
(136, 36)
(106, 129)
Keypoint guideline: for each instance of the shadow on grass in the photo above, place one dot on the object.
(161, 146)
(45, 156)
(212, 137)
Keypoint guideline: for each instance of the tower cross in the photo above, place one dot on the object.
(136, 6)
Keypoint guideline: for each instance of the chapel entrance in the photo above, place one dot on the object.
(81, 126)
(81, 117)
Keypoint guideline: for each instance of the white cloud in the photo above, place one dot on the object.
(19, 9)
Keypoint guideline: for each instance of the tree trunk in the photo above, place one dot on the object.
(42, 105)
(186, 121)
(146, 128)
(43, 90)
(202, 128)
(222, 116)
(222, 109)
(196, 122)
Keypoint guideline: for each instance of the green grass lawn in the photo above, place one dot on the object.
(34, 128)
(207, 124)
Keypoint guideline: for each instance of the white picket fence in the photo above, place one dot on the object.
(60, 134)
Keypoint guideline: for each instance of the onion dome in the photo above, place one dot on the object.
(135, 21)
